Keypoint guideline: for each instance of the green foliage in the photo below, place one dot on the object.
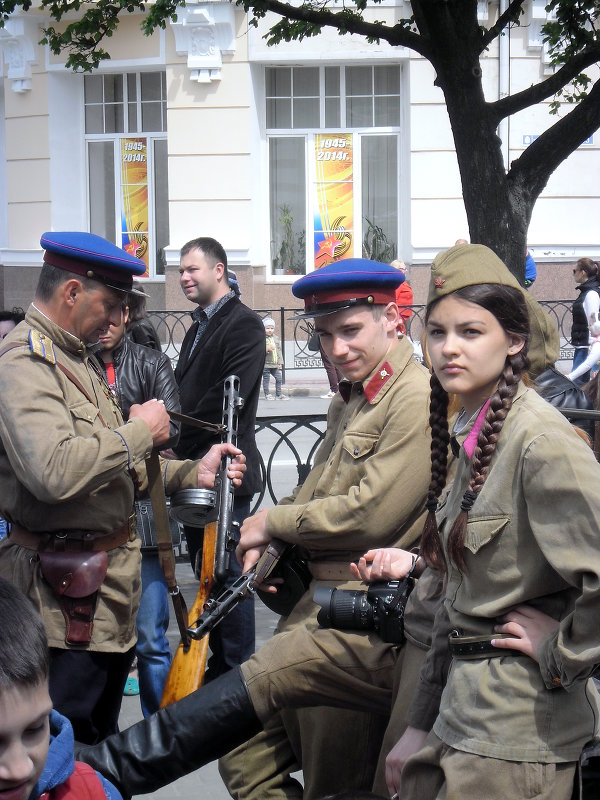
(376, 244)
(292, 248)
(574, 29)
(7, 7)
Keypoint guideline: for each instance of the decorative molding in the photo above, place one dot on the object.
(18, 39)
(21, 258)
(204, 32)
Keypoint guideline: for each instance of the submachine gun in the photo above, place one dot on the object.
(192, 507)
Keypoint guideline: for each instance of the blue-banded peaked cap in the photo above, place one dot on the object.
(92, 257)
(346, 283)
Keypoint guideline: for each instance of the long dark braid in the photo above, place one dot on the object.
(508, 306)
(431, 545)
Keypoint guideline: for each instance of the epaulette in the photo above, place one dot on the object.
(41, 346)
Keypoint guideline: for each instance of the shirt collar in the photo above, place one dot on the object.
(211, 310)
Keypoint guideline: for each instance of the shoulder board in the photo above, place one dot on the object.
(41, 346)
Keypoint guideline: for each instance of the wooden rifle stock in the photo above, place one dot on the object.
(189, 664)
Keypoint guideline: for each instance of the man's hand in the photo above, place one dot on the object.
(383, 564)
(408, 744)
(209, 465)
(155, 416)
(530, 628)
(253, 539)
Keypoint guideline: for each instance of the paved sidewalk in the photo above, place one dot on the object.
(205, 783)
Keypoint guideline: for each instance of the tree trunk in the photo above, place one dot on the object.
(498, 210)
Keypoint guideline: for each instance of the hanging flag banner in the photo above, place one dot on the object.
(134, 194)
(334, 214)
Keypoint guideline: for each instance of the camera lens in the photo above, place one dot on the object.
(344, 609)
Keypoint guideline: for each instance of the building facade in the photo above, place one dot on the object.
(290, 155)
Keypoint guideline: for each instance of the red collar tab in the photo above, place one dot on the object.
(381, 377)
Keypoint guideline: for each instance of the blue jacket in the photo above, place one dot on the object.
(60, 763)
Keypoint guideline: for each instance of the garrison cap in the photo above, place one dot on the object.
(92, 257)
(470, 264)
(345, 284)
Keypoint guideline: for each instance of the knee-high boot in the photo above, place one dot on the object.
(178, 739)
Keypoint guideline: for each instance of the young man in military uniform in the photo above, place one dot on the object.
(367, 489)
(68, 469)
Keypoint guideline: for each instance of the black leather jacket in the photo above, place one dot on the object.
(142, 331)
(144, 374)
(560, 392)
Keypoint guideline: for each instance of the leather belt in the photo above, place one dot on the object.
(74, 541)
(330, 570)
(472, 647)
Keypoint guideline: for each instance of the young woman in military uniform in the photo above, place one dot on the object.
(517, 537)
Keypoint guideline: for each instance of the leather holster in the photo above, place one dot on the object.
(75, 578)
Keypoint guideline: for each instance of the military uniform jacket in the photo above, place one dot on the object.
(368, 484)
(532, 538)
(67, 461)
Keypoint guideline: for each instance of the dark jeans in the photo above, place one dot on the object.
(232, 641)
(87, 688)
(276, 373)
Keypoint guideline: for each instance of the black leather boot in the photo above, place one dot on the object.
(178, 739)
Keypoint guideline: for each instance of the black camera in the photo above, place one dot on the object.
(380, 608)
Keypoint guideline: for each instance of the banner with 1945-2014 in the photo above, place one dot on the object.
(334, 198)
(134, 200)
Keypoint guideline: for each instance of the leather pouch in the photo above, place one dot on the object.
(75, 578)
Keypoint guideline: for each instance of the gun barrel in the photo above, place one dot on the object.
(232, 402)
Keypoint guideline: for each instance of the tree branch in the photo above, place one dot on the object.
(510, 15)
(538, 92)
(535, 165)
(345, 21)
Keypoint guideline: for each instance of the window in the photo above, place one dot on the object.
(125, 126)
(333, 135)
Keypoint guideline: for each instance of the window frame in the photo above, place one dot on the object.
(116, 138)
(356, 133)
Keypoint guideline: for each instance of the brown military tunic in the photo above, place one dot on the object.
(67, 462)
(366, 489)
(532, 539)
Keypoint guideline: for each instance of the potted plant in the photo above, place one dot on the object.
(286, 249)
(376, 245)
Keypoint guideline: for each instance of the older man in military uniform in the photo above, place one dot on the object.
(68, 469)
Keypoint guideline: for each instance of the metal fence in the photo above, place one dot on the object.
(287, 447)
(295, 333)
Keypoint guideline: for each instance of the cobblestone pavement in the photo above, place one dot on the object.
(205, 783)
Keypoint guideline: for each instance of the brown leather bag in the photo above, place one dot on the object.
(75, 579)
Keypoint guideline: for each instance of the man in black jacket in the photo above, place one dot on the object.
(137, 373)
(226, 338)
